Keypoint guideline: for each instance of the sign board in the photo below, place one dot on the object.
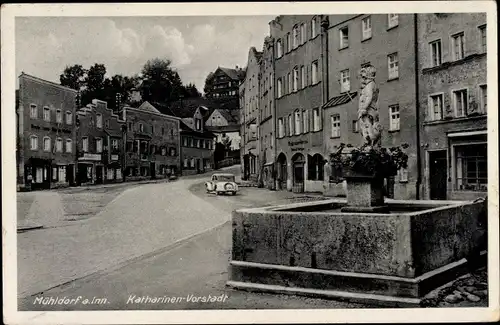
(114, 157)
(90, 156)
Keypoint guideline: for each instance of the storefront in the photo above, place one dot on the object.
(38, 172)
(90, 169)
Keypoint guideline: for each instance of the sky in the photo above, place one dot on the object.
(195, 45)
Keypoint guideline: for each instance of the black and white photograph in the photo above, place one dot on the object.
(250, 162)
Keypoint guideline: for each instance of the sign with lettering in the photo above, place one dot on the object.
(297, 149)
(90, 156)
(296, 143)
(114, 157)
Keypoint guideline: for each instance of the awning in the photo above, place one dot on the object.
(340, 100)
(467, 133)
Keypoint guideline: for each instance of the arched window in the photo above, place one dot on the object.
(34, 142)
(298, 121)
(69, 145)
(46, 144)
(59, 145)
(313, 27)
(296, 36)
(279, 48)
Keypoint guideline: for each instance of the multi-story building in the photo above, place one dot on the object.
(224, 83)
(387, 43)
(225, 125)
(99, 150)
(250, 117)
(299, 64)
(197, 143)
(46, 136)
(453, 104)
(152, 143)
(266, 112)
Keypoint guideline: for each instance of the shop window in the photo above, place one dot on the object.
(471, 167)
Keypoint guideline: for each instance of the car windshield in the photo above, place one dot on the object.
(224, 178)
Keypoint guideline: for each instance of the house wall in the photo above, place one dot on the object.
(308, 98)
(468, 73)
(43, 93)
(401, 91)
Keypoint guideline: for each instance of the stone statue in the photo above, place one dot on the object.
(368, 116)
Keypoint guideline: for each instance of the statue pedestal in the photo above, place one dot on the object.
(365, 193)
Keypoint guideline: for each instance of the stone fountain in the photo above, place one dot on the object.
(363, 249)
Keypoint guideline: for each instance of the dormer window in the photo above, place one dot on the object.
(198, 125)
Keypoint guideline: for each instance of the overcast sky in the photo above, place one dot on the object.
(196, 45)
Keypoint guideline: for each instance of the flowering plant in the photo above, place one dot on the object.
(370, 160)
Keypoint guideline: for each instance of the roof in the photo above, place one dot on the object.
(340, 100)
(224, 128)
(162, 108)
(231, 115)
(146, 106)
(47, 82)
(187, 107)
(113, 133)
(233, 73)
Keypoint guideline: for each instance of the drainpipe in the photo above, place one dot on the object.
(417, 106)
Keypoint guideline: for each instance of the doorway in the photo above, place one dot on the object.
(99, 174)
(438, 175)
(152, 168)
(298, 173)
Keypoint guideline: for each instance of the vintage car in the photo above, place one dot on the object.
(222, 183)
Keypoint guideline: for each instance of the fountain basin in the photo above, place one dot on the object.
(397, 255)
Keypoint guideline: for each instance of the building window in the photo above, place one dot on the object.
(290, 87)
(46, 144)
(59, 145)
(184, 141)
(99, 121)
(34, 142)
(290, 125)
(33, 111)
(173, 152)
(190, 142)
(198, 124)
(366, 24)
(296, 36)
(355, 126)
(46, 114)
(85, 144)
(58, 116)
(141, 127)
(394, 117)
(335, 120)
(192, 163)
(345, 82)
(288, 43)
(471, 167)
(280, 88)
(313, 27)
(393, 20)
(69, 145)
(114, 144)
(393, 66)
(98, 145)
(460, 100)
(303, 34)
(185, 163)
(305, 120)
(303, 76)
(279, 49)
(344, 37)
(316, 165)
(403, 175)
(483, 95)
(130, 126)
(298, 122)
(295, 78)
(314, 73)
(106, 124)
(281, 128)
(69, 118)
(482, 33)
(436, 53)
(458, 46)
(435, 107)
(316, 120)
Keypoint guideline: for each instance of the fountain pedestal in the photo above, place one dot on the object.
(365, 193)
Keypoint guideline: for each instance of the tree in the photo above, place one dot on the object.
(160, 82)
(208, 83)
(190, 91)
(73, 77)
